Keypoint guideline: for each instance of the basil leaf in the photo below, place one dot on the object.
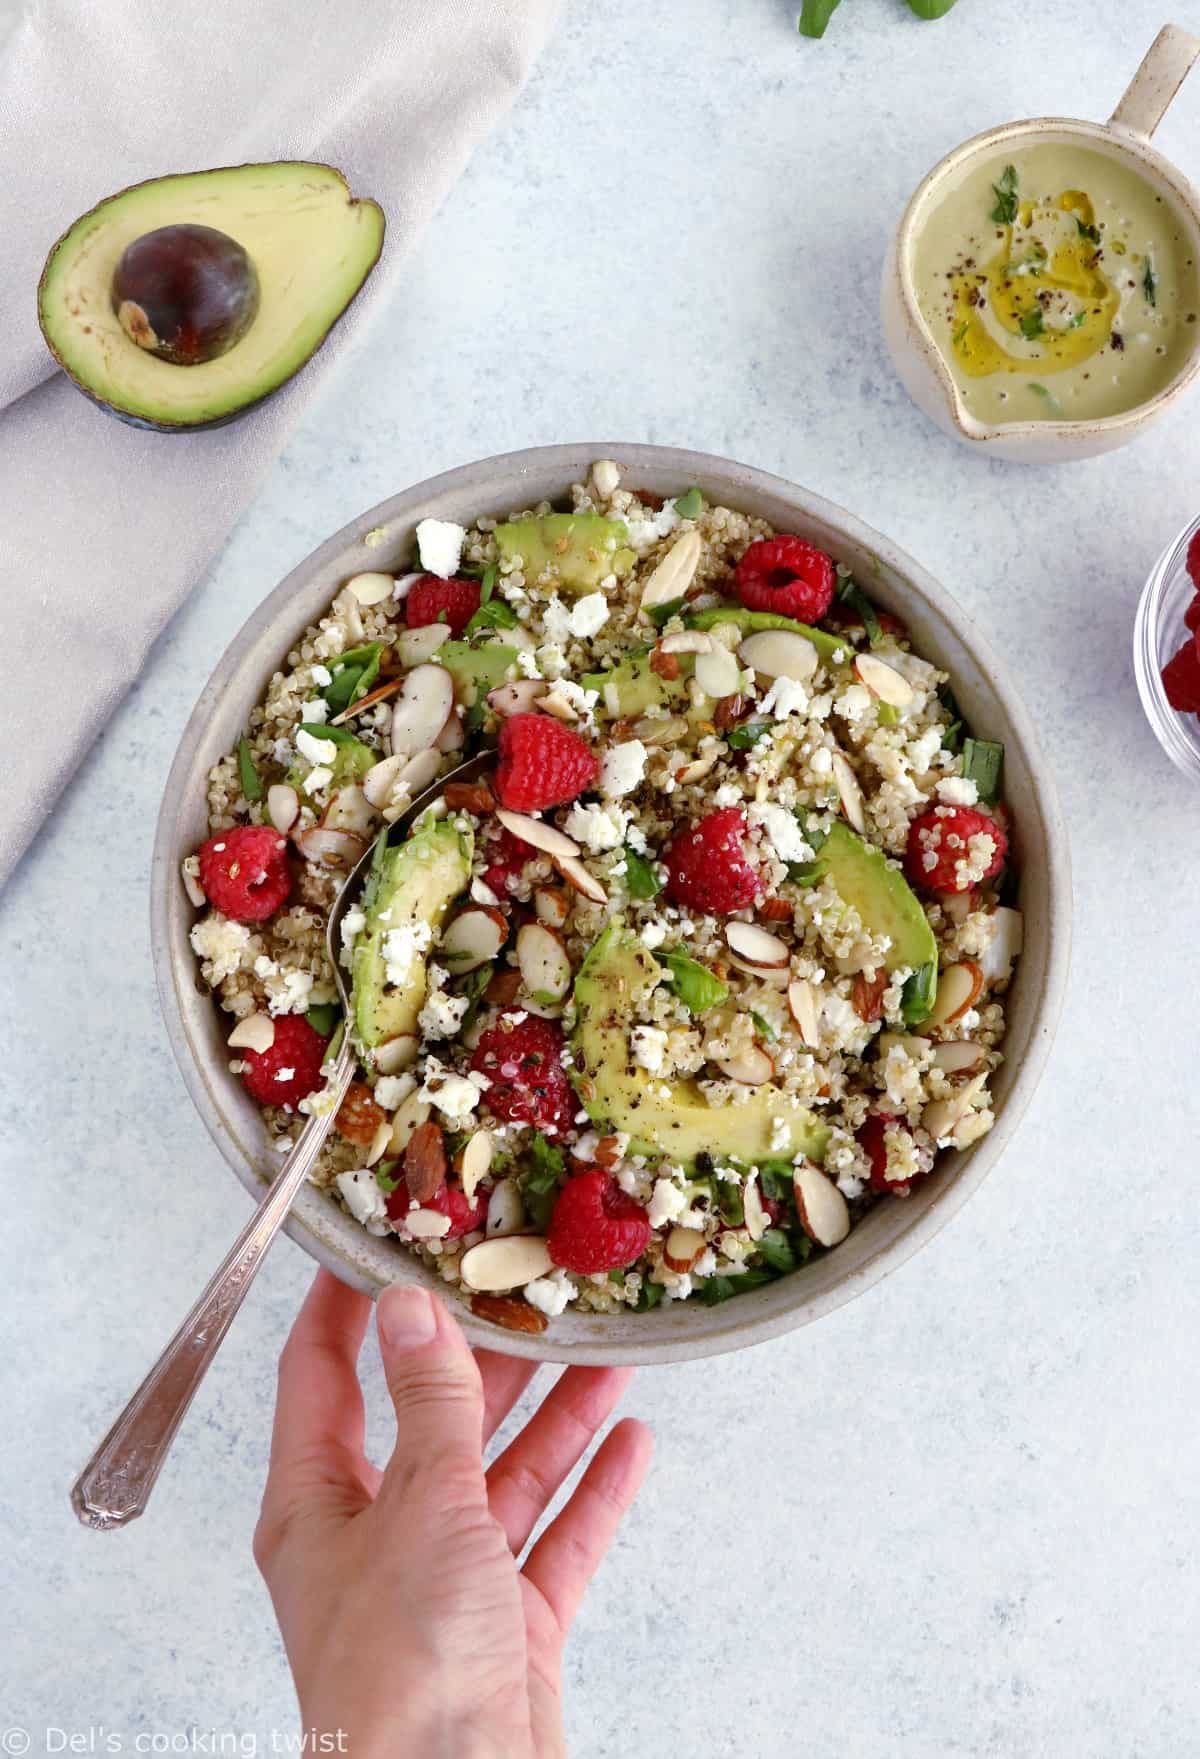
(1005, 192)
(337, 735)
(357, 670)
(494, 614)
(649, 1296)
(745, 737)
(661, 614)
(1150, 283)
(690, 505)
(814, 17)
(731, 1204)
(853, 595)
(487, 584)
(694, 984)
(1033, 323)
(953, 735)
(539, 1184)
(323, 1017)
(384, 1176)
(919, 993)
(776, 1249)
(640, 875)
(812, 836)
(806, 873)
(248, 776)
(775, 1179)
(983, 764)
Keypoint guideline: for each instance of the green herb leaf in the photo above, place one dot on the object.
(487, 584)
(815, 16)
(775, 1178)
(248, 776)
(813, 836)
(385, 1176)
(983, 764)
(649, 1296)
(919, 993)
(806, 873)
(539, 1183)
(852, 594)
(1091, 233)
(1047, 397)
(930, 8)
(694, 984)
(1150, 282)
(1005, 192)
(640, 875)
(1033, 323)
(1079, 319)
(662, 614)
(690, 505)
(960, 333)
(730, 1203)
(776, 1249)
(492, 614)
(887, 714)
(323, 1017)
(765, 1029)
(953, 735)
(337, 735)
(747, 736)
(357, 670)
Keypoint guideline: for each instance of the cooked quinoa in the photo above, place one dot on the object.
(806, 1005)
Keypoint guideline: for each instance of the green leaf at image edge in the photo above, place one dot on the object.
(815, 16)
(248, 776)
(930, 8)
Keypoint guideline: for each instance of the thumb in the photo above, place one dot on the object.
(438, 1396)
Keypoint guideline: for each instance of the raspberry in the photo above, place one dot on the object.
(244, 872)
(297, 1051)
(787, 576)
(542, 763)
(870, 1140)
(527, 1082)
(506, 858)
(939, 839)
(707, 867)
(1181, 679)
(595, 1226)
(448, 1200)
(433, 600)
(1192, 615)
(1193, 558)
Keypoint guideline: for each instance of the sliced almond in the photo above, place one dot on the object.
(557, 705)
(380, 779)
(509, 1262)
(415, 646)
(283, 806)
(996, 961)
(666, 731)
(909, 1042)
(474, 1162)
(349, 810)
(756, 1220)
(675, 573)
(606, 477)
(802, 1005)
(506, 1212)
(411, 1113)
(396, 1053)
(959, 1057)
(421, 709)
(520, 697)
(957, 906)
(371, 589)
(255, 1033)
(452, 737)
(682, 1248)
(717, 673)
(379, 694)
(482, 893)
(425, 1161)
(698, 768)
(509, 1311)
(849, 793)
(404, 585)
(942, 1117)
(752, 1067)
(379, 1142)
(779, 653)
(338, 850)
(822, 1210)
(474, 938)
(415, 774)
(755, 945)
(959, 988)
(687, 641)
(883, 681)
(426, 1224)
(543, 961)
(539, 835)
(551, 905)
(191, 882)
(773, 976)
(577, 875)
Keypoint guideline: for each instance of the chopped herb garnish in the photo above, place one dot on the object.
(337, 735)
(1047, 396)
(983, 764)
(776, 1249)
(640, 875)
(813, 835)
(539, 1184)
(952, 737)
(356, 670)
(662, 614)
(248, 776)
(487, 583)
(730, 1204)
(649, 1296)
(323, 1017)
(691, 504)
(1150, 282)
(765, 1029)
(1091, 233)
(493, 613)
(693, 983)
(1005, 210)
(776, 1181)
(1033, 323)
(852, 594)
(887, 714)
(715, 1289)
(385, 1176)
(745, 737)
(806, 873)
(960, 333)
(918, 995)
(1079, 319)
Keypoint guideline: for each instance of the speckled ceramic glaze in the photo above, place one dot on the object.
(383, 538)
(1125, 137)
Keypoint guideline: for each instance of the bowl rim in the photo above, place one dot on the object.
(565, 461)
(1123, 143)
(1166, 723)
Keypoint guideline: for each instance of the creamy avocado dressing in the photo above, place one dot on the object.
(1058, 285)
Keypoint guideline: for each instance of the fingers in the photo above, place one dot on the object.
(438, 1395)
(522, 1482)
(504, 1380)
(566, 1557)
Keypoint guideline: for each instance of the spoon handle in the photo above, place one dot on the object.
(115, 1485)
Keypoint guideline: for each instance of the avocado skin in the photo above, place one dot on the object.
(165, 425)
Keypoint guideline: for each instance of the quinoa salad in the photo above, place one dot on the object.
(710, 956)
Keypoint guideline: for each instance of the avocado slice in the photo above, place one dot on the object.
(631, 688)
(748, 621)
(476, 669)
(667, 1117)
(414, 884)
(311, 243)
(579, 548)
(863, 877)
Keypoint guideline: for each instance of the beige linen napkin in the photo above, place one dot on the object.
(104, 528)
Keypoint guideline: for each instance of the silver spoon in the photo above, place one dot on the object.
(115, 1485)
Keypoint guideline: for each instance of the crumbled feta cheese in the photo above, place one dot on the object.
(316, 710)
(957, 791)
(666, 1203)
(285, 1074)
(318, 779)
(645, 529)
(556, 621)
(589, 615)
(727, 794)
(221, 944)
(821, 761)
(442, 1015)
(362, 1196)
(527, 663)
(455, 1096)
(622, 768)
(854, 702)
(391, 1091)
(353, 923)
(549, 1294)
(785, 697)
(653, 935)
(596, 827)
(402, 949)
(321, 676)
(439, 544)
(782, 831)
(317, 751)
(649, 1048)
(288, 991)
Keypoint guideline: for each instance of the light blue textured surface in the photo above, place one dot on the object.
(960, 1516)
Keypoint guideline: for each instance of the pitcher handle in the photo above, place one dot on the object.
(1156, 82)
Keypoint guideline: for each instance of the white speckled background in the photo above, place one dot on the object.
(958, 1518)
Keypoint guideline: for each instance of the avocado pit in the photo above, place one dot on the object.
(185, 293)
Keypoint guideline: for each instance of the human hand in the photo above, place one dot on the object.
(407, 1623)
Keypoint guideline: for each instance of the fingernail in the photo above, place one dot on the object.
(406, 1317)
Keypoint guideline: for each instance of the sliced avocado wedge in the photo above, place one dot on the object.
(748, 621)
(670, 1118)
(863, 877)
(414, 884)
(580, 548)
(629, 689)
(476, 669)
(311, 243)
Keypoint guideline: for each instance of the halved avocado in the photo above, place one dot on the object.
(671, 1118)
(863, 877)
(312, 245)
(579, 548)
(415, 883)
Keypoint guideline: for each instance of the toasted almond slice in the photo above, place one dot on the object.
(255, 1033)
(996, 961)
(421, 709)
(667, 731)
(959, 1057)
(381, 692)
(508, 1262)
(820, 1206)
(942, 1117)
(396, 1053)
(687, 641)
(191, 882)
(698, 768)
(779, 653)
(682, 1248)
(849, 793)
(411, 1113)
(883, 681)
(334, 849)
(452, 736)
(543, 961)
(718, 673)
(757, 1221)
(474, 938)
(415, 774)
(675, 573)
(539, 834)
(755, 945)
(551, 905)
(506, 1212)
(959, 988)
(474, 1161)
(520, 697)
(283, 806)
(909, 1042)
(347, 607)
(379, 1142)
(773, 976)
(349, 810)
(558, 706)
(752, 1067)
(426, 1224)
(371, 589)
(380, 779)
(802, 1005)
(415, 646)
(577, 875)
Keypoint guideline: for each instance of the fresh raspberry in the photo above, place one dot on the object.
(523, 1061)
(1192, 615)
(291, 1069)
(244, 872)
(939, 839)
(506, 858)
(787, 576)
(870, 1140)
(596, 1226)
(542, 763)
(1193, 558)
(707, 867)
(1181, 681)
(433, 600)
(447, 1200)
